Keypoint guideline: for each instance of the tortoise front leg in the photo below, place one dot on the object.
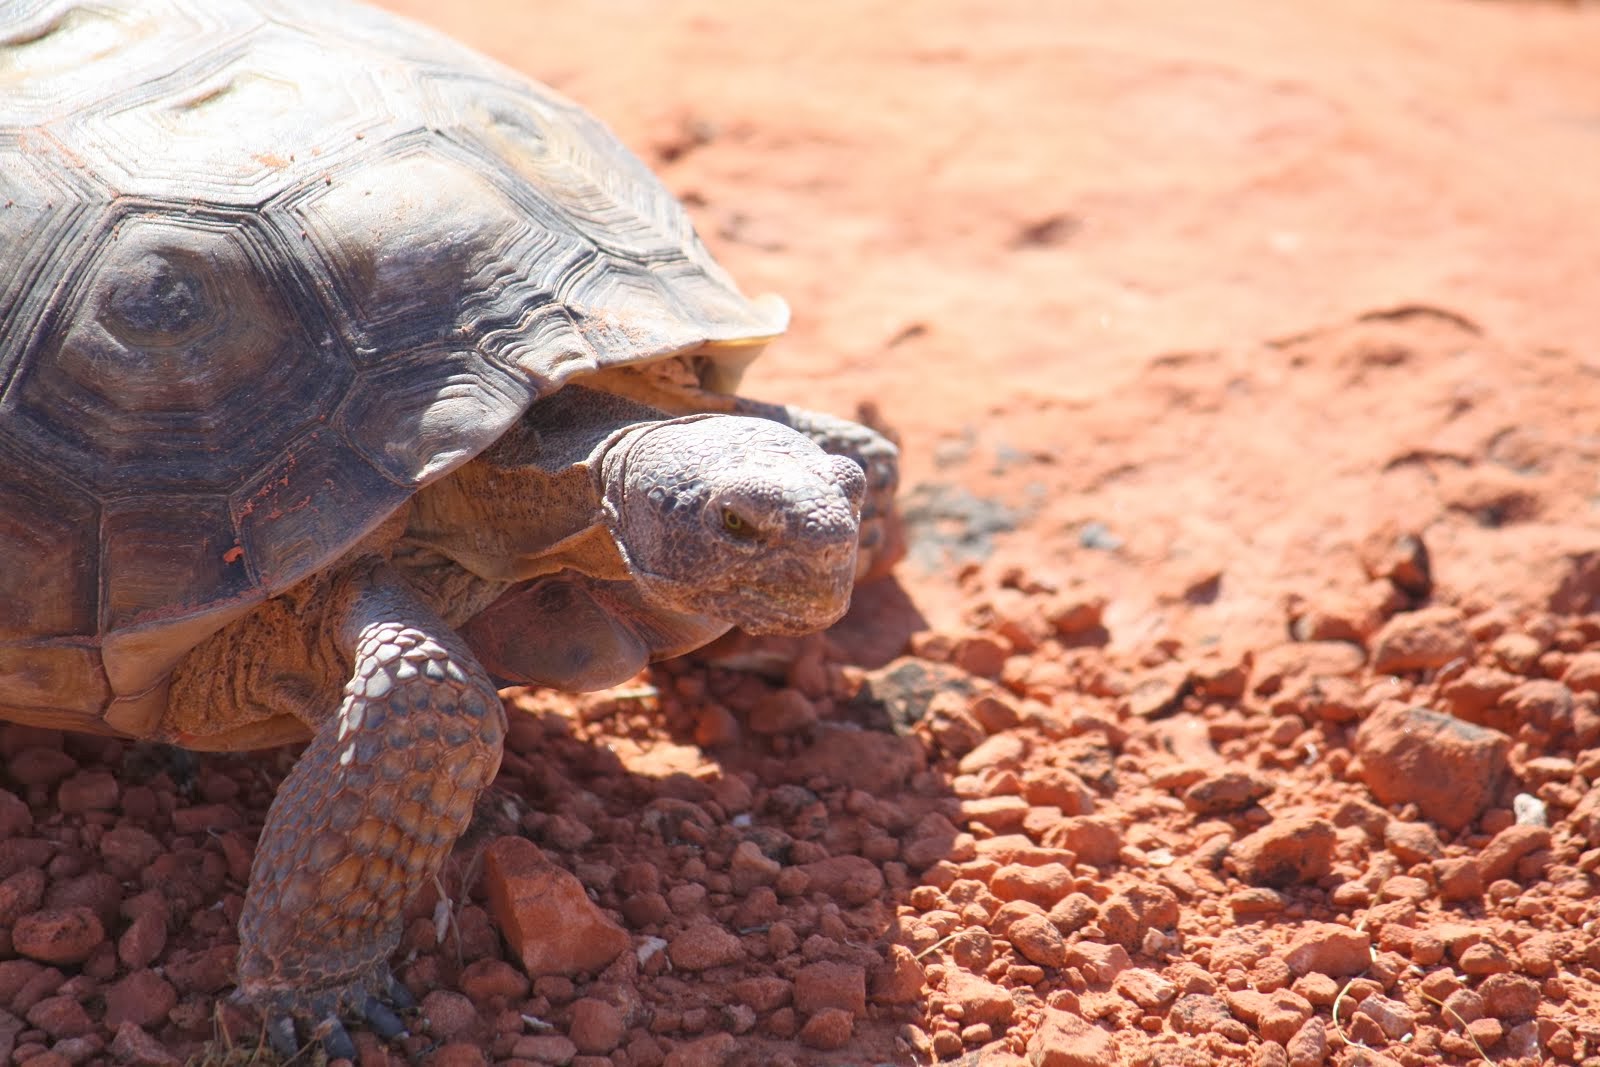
(370, 811)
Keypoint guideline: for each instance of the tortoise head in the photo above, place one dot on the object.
(736, 518)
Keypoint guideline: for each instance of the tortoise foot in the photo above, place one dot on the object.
(295, 1024)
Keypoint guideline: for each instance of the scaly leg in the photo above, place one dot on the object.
(369, 813)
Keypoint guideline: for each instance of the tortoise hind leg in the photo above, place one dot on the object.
(370, 811)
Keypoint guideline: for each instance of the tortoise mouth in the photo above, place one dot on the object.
(799, 599)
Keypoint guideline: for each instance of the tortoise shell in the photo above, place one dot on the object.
(265, 270)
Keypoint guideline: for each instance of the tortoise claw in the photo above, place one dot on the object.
(383, 1020)
(400, 996)
(336, 1040)
(286, 1024)
(282, 1038)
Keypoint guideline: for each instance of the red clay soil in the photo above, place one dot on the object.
(1238, 701)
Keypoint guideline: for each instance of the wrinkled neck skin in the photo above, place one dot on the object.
(529, 506)
(611, 474)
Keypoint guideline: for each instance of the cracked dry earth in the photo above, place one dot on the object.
(1238, 701)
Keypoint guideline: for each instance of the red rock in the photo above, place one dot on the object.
(1281, 1022)
(128, 849)
(849, 879)
(979, 654)
(135, 1047)
(714, 1050)
(1466, 1004)
(142, 998)
(1076, 613)
(930, 840)
(20, 894)
(1540, 702)
(1057, 787)
(1458, 878)
(1285, 852)
(1065, 1040)
(1582, 673)
(1401, 556)
(40, 765)
(15, 818)
(545, 913)
(448, 1014)
(1094, 839)
(1330, 949)
(1452, 770)
(545, 1048)
(764, 993)
(597, 1026)
(1486, 1032)
(1199, 1013)
(1508, 997)
(786, 711)
(646, 909)
(1001, 814)
(1037, 940)
(1042, 885)
(555, 988)
(1146, 988)
(704, 945)
(1152, 903)
(1158, 691)
(20, 853)
(981, 1001)
(58, 935)
(60, 1017)
(1405, 887)
(999, 750)
(1394, 1018)
(206, 819)
(996, 711)
(99, 891)
(201, 970)
(1226, 791)
(1421, 641)
(687, 899)
(1412, 842)
(458, 1054)
(750, 867)
(828, 1029)
(876, 762)
(1542, 954)
(1309, 1045)
(1500, 856)
(1098, 962)
(88, 791)
(899, 979)
(1543, 770)
(487, 979)
(829, 984)
(23, 983)
(143, 940)
(1474, 695)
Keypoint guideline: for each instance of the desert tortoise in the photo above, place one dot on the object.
(291, 295)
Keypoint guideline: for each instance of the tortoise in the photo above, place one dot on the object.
(344, 373)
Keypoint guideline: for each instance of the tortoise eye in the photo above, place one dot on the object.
(736, 524)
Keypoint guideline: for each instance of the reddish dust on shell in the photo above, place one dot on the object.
(1239, 699)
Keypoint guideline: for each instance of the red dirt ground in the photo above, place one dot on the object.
(1238, 701)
